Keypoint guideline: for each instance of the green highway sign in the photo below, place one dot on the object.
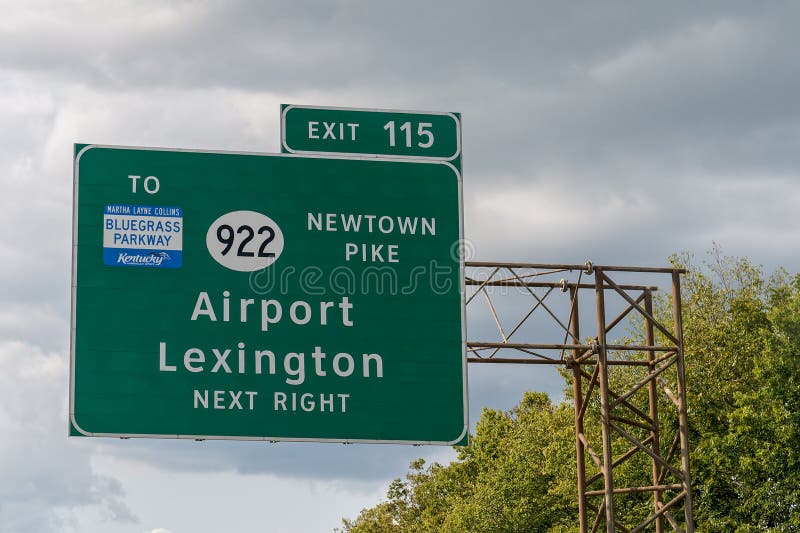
(370, 132)
(221, 295)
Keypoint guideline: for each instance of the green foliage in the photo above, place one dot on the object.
(743, 354)
(513, 476)
(742, 339)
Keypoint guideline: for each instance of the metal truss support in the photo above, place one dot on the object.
(629, 394)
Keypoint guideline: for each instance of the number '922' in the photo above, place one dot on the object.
(244, 240)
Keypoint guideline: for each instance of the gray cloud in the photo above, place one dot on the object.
(44, 479)
(618, 133)
(644, 88)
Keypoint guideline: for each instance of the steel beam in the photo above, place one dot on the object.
(657, 363)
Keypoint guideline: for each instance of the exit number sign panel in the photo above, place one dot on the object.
(370, 132)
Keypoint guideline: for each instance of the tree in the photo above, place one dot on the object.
(511, 477)
(743, 352)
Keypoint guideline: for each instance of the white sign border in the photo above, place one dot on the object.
(73, 423)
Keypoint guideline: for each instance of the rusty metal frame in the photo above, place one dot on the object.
(628, 385)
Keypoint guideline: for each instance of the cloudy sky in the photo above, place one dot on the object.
(615, 132)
